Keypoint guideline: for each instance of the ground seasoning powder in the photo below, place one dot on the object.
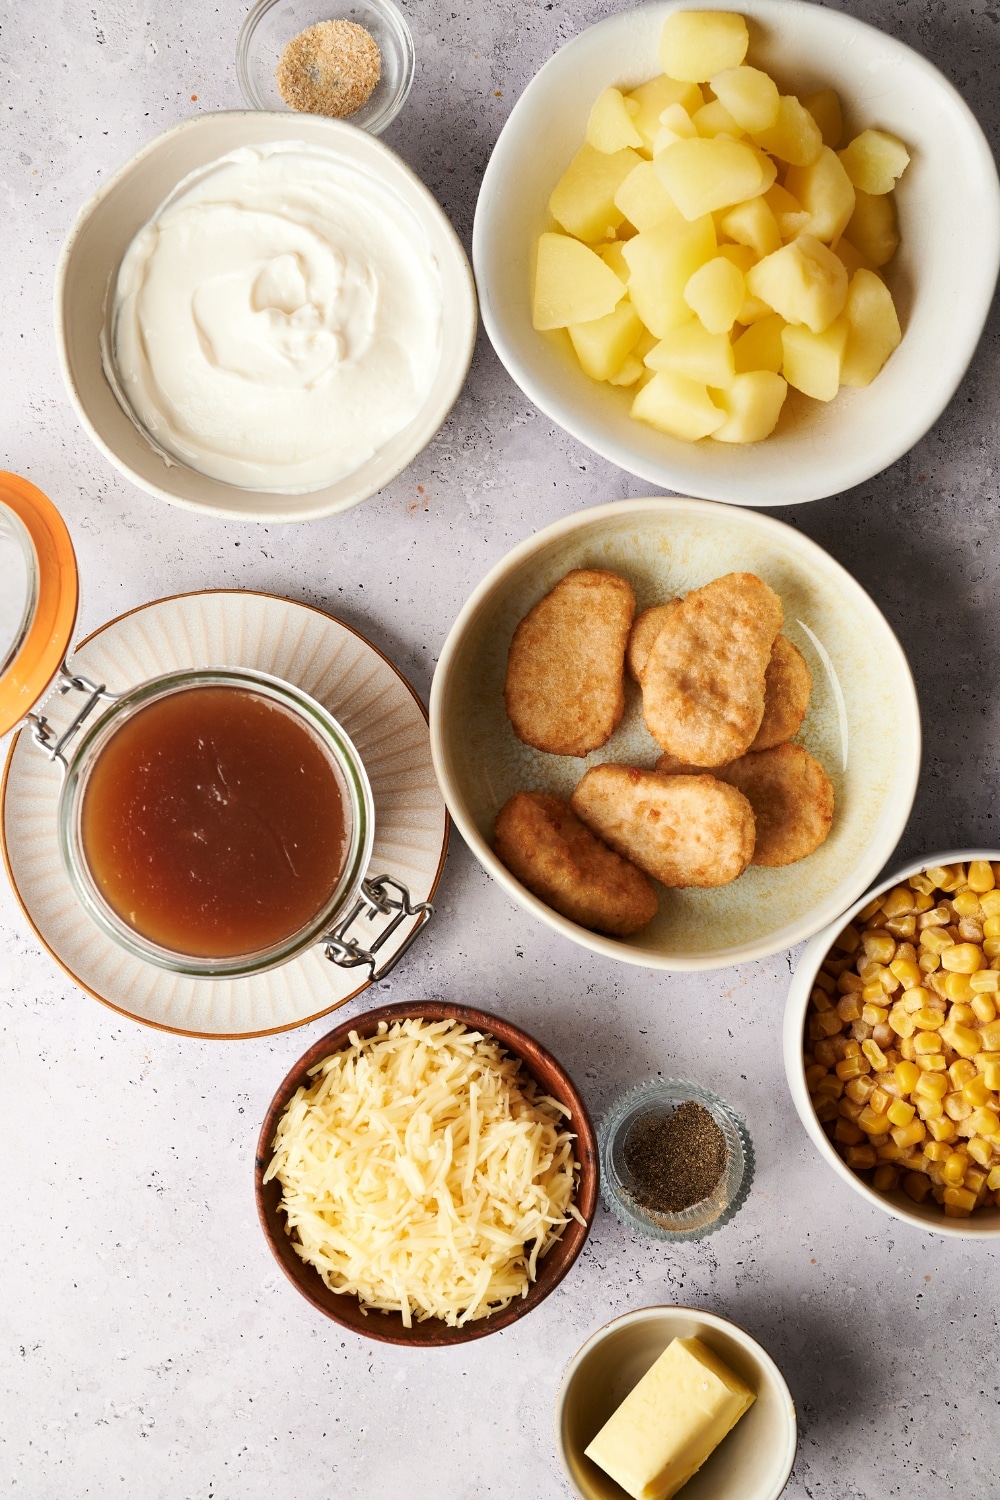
(675, 1161)
(331, 68)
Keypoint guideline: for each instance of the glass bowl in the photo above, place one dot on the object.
(660, 1097)
(271, 25)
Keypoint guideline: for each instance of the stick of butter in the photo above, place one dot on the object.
(674, 1418)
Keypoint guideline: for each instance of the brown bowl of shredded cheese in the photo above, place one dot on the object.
(427, 1173)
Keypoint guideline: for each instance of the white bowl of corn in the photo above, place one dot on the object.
(555, 225)
(892, 1044)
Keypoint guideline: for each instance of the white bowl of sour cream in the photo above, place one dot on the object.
(263, 316)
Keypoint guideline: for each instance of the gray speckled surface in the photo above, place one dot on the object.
(149, 1345)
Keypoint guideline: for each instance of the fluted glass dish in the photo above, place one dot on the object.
(660, 1097)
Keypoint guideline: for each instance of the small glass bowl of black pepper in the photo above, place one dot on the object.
(676, 1160)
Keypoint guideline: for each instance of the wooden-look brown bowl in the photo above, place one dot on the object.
(388, 1327)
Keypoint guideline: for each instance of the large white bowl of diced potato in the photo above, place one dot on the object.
(746, 252)
(892, 1044)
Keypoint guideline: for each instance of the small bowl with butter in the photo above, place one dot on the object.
(263, 316)
(669, 1400)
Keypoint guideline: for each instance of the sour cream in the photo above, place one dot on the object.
(277, 321)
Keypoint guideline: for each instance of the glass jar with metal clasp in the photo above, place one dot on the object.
(76, 722)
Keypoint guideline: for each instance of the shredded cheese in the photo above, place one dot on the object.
(424, 1172)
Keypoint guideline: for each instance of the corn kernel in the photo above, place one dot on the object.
(860, 1089)
(906, 971)
(962, 958)
(899, 1112)
(931, 1086)
(826, 1111)
(909, 1135)
(824, 1025)
(902, 927)
(852, 1049)
(873, 1052)
(942, 1129)
(906, 1048)
(924, 900)
(887, 1150)
(907, 1076)
(984, 1007)
(961, 1072)
(853, 1067)
(991, 1076)
(885, 1179)
(980, 1150)
(860, 1158)
(954, 877)
(873, 1123)
(976, 1090)
(954, 1168)
(937, 1150)
(985, 1121)
(966, 903)
(880, 1100)
(991, 926)
(993, 1180)
(991, 947)
(975, 1178)
(929, 1108)
(990, 902)
(916, 1186)
(927, 961)
(874, 1015)
(879, 946)
(927, 1041)
(963, 1039)
(922, 883)
(927, 1019)
(986, 982)
(849, 1007)
(931, 1062)
(957, 988)
(981, 877)
(936, 939)
(957, 1107)
(869, 910)
(849, 940)
(814, 1074)
(847, 1133)
(990, 1036)
(850, 1109)
(830, 1087)
(960, 1198)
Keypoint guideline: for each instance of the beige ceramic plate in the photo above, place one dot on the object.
(863, 722)
(371, 699)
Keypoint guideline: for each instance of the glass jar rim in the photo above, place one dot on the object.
(335, 741)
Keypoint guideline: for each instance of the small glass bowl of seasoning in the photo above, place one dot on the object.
(347, 59)
(676, 1161)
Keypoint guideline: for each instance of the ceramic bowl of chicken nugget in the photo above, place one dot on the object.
(859, 735)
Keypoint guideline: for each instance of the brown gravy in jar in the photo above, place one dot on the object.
(215, 823)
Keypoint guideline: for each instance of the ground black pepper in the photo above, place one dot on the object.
(675, 1161)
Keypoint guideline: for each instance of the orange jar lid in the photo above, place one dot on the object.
(39, 588)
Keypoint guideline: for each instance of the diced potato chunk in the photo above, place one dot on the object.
(752, 403)
(583, 201)
(610, 126)
(873, 161)
(803, 281)
(601, 345)
(873, 329)
(703, 175)
(790, 217)
(825, 192)
(572, 284)
(760, 348)
(852, 257)
(630, 371)
(824, 107)
(714, 119)
(692, 351)
(813, 361)
(750, 96)
(715, 293)
(656, 96)
(872, 228)
(742, 256)
(678, 406)
(661, 262)
(794, 137)
(696, 44)
(644, 200)
(675, 125)
(752, 223)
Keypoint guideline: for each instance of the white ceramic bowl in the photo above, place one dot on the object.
(752, 1463)
(863, 723)
(942, 277)
(105, 227)
(985, 1224)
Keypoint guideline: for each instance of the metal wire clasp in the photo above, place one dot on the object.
(375, 900)
(49, 739)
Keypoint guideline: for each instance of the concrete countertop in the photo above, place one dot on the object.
(150, 1346)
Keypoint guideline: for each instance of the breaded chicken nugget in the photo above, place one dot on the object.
(543, 843)
(644, 632)
(683, 830)
(792, 799)
(703, 682)
(564, 688)
(787, 686)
